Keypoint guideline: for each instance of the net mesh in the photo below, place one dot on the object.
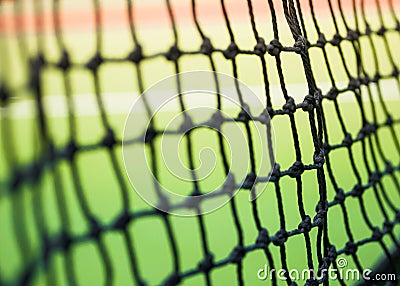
(372, 165)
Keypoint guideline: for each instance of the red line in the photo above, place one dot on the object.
(145, 15)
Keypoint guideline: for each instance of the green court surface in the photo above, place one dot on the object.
(119, 91)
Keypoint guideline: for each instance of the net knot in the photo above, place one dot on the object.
(332, 93)
(389, 120)
(187, 124)
(317, 96)
(237, 254)
(71, 150)
(366, 130)
(300, 44)
(260, 48)
(94, 62)
(319, 218)
(357, 191)
(354, 83)
(376, 77)
(109, 140)
(271, 111)
(173, 54)
(39, 61)
(64, 241)
(347, 141)
(308, 104)
(381, 31)
(296, 169)
(229, 185)
(17, 179)
(136, 55)
(305, 225)
(352, 35)
(35, 173)
(290, 105)
(336, 40)
(377, 234)
(274, 47)
(244, 114)
(395, 72)
(340, 196)
(280, 237)
(216, 120)
(150, 134)
(389, 168)
(263, 238)
(319, 157)
(206, 47)
(365, 80)
(64, 62)
(249, 181)
(163, 206)
(350, 248)
(4, 95)
(276, 173)
(95, 228)
(322, 207)
(36, 64)
(321, 42)
(326, 147)
(207, 264)
(122, 221)
(375, 177)
(231, 52)
(387, 227)
(264, 117)
(47, 247)
(51, 151)
(332, 253)
(173, 279)
(368, 30)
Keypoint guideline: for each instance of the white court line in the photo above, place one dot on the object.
(120, 103)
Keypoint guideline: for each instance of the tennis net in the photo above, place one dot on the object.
(54, 232)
